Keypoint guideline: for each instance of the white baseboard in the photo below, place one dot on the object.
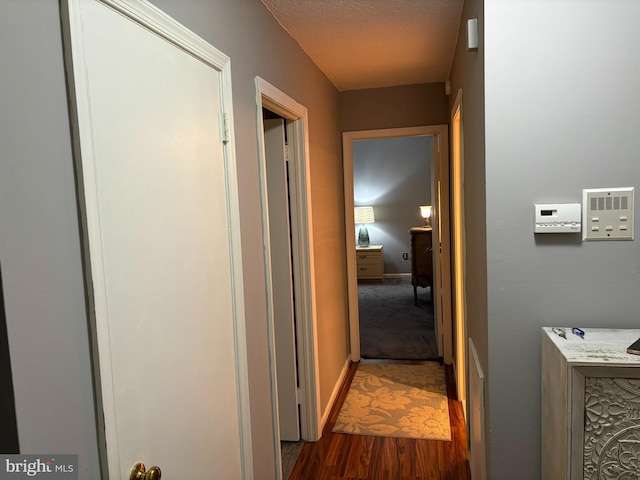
(476, 417)
(334, 394)
(397, 275)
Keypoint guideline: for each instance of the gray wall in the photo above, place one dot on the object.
(561, 115)
(40, 241)
(39, 245)
(394, 176)
(393, 107)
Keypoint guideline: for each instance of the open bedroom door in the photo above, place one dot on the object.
(442, 246)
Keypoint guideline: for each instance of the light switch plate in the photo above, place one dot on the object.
(607, 213)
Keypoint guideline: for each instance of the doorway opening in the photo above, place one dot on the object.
(287, 238)
(440, 225)
(283, 298)
(392, 179)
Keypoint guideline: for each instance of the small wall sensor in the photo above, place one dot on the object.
(472, 34)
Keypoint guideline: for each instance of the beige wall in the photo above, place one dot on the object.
(467, 74)
(393, 107)
(41, 255)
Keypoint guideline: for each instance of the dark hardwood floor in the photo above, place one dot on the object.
(338, 456)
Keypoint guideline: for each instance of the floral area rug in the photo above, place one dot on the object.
(390, 400)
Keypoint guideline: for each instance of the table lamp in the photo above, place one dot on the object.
(425, 212)
(363, 215)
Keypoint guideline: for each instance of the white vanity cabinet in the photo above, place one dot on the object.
(590, 405)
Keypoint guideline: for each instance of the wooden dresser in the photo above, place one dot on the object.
(421, 260)
(370, 263)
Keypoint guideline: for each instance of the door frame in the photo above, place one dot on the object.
(440, 225)
(155, 20)
(296, 116)
(458, 256)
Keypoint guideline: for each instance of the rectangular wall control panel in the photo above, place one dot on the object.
(608, 213)
(557, 218)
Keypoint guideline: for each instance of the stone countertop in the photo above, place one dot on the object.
(599, 345)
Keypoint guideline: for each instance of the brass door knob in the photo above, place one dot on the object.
(139, 472)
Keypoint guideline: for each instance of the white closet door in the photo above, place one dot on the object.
(157, 213)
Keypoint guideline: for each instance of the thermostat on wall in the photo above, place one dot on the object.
(557, 218)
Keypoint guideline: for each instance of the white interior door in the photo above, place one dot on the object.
(442, 248)
(159, 210)
(437, 246)
(281, 278)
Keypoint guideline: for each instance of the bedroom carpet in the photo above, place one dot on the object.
(391, 326)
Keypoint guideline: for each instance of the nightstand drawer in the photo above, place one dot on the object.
(369, 270)
(368, 257)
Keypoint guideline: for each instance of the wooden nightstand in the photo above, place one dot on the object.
(369, 262)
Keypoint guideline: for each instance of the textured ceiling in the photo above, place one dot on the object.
(374, 43)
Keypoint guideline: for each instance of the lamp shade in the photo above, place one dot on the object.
(425, 212)
(363, 215)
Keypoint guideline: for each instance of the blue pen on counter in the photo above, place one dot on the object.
(578, 332)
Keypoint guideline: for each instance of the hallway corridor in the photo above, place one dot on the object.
(355, 457)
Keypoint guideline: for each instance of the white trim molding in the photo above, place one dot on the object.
(273, 99)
